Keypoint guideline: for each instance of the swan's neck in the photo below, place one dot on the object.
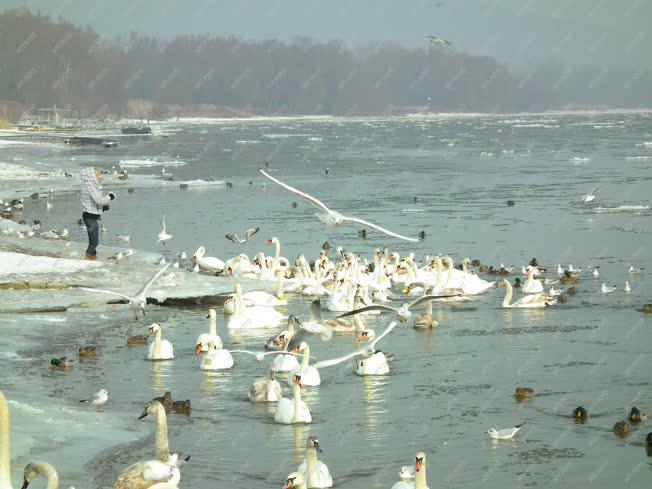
(161, 435)
(239, 305)
(311, 461)
(212, 325)
(450, 271)
(464, 267)
(438, 273)
(429, 308)
(420, 479)
(306, 357)
(509, 291)
(47, 471)
(297, 402)
(277, 254)
(5, 476)
(279, 283)
(157, 343)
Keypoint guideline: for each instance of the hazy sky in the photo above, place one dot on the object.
(517, 32)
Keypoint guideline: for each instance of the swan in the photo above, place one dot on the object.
(284, 362)
(5, 459)
(34, 469)
(470, 283)
(426, 320)
(261, 298)
(162, 472)
(406, 476)
(252, 317)
(315, 471)
(215, 358)
(532, 285)
(208, 264)
(240, 266)
(529, 301)
(295, 480)
(295, 411)
(280, 262)
(308, 373)
(420, 471)
(266, 389)
(158, 349)
(204, 338)
(340, 297)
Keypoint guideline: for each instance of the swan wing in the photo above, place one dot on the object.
(316, 202)
(104, 291)
(336, 361)
(355, 220)
(373, 307)
(425, 298)
(388, 330)
(143, 291)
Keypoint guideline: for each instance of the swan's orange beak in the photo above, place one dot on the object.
(418, 465)
(150, 332)
(362, 338)
(269, 242)
(289, 484)
(198, 350)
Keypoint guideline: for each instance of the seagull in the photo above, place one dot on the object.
(137, 301)
(248, 234)
(596, 272)
(368, 350)
(163, 236)
(634, 271)
(334, 218)
(403, 313)
(506, 434)
(97, 399)
(586, 198)
(48, 205)
(438, 40)
(628, 288)
(123, 237)
(607, 290)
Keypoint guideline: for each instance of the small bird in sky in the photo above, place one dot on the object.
(248, 234)
(439, 40)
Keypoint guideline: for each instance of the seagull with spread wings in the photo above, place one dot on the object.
(238, 240)
(137, 301)
(333, 218)
(438, 40)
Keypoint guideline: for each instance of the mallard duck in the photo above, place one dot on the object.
(87, 351)
(567, 278)
(524, 393)
(647, 309)
(636, 416)
(60, 363)
(580, 414)
(621, 428)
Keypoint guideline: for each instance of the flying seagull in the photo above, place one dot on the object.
(139, 300)
(248, 234)
(506, 434)
(164, 236)
(402, 313)
(333, 218)
(368, 350)
(586, 198)
(439, 40)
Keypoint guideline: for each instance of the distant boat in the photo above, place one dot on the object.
(83, 141)
(137, 130)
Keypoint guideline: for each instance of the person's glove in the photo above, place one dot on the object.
(111, 195)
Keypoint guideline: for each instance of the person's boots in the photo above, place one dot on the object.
(91, 257)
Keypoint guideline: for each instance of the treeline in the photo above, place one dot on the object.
(44, 62)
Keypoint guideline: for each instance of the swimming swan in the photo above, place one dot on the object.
(159, 349)
(5, 459)
(315, 471)
(208, 264)
(266, 389)
(309, 374)
(204, 338)
(293, 411)
(215, 358)
(530, 301)
(252, 317)
(34, 469)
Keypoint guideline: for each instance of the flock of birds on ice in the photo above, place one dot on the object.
(351, 287)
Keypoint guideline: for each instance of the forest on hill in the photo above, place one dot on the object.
(46, 62)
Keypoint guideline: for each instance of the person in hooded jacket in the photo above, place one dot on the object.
(93, 204)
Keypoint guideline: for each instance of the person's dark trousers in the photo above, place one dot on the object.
(92, 223)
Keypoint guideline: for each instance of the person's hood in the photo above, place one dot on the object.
(88, 175)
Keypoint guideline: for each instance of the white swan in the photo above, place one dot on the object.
(469, 282)
(529, 301)
(252, 317)
(295, 410)
(204, 338)
(266, 389)
(158, 349)
(406, 476)
(315, 471)
(163, 471)
(295, 480)
(215, 358)
(420, 471)
(34, 469)
(261, 298)
(280, 262)
(5, 459)
(532, 285)
(208, 264)
(309, 374)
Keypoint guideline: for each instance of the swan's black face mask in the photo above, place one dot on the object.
(418, 465)
(289, 483)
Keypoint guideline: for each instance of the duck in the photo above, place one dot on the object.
(139, 339)
(61, 363)
(87, 351)
(204, 338)
(567, 278)
(646, 309)
(315, 471)
(266, 389)
(171, 406)
(160, 472)
(532, 285)
(308, 373)
(295, 480)
(621, 428)
(208, 264)
(606, 289)
(44, 469)
(580, 414)
(635, 415)
(524, 393)
(215, 358)
(293, 411)
(159, 349)
(529, 301)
